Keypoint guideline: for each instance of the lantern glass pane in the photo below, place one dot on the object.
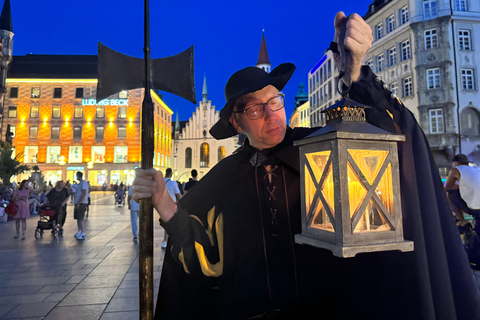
(370, 209)
(319, 194)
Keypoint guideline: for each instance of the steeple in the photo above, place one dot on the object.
(263, 61)
(6, 17)
(204, 91)
(177, 123)
(301, 97)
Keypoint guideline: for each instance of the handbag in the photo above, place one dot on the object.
(11, 209)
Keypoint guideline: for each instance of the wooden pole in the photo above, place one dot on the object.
(146, 205)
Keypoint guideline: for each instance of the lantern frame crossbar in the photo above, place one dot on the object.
(318, 194)
(371, 194)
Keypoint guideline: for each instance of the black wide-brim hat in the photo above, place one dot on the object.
(247, 80)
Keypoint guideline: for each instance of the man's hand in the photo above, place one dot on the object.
(150, 183)
(358, 39)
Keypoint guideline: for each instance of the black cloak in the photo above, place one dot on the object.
(434, 281)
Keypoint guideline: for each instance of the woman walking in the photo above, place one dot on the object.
(21, 199)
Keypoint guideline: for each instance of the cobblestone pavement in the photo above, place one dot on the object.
(69, 279)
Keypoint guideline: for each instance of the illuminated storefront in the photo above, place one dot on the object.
(60, 127)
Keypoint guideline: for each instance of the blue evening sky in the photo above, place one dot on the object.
(226, 34)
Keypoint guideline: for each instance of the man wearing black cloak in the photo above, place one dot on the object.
(232, 254)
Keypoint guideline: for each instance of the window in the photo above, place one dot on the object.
(98, 154)
(429, 9)
(33, 132)
(464, 39)
(221, 153)
(204, 155)
(436, 120)
(405, 50)
(35, 92)
(99, 133)
(431, 40)
(390, 23)
(53, 154)
(188, 158)
(34, 112)
(123, 94)
(100, 114)
(79, 93)
(55, 133)
(469, 122)
(122, 112)
(122, 132)
(77, 132)
(407, 86)
(369, 63)
(378, 31)
(78, 113)
(30, 154)
(379, 62)
(461, 5)
(392, 56)
(13, 93)
(468, 81)
(403, 13)
(433, 78)
(57, 93)
(12, 112)
(393, 87)
(13, 130)
(75, 154)
(56, 112)
(120, 154)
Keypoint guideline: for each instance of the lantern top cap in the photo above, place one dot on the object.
(346, 110)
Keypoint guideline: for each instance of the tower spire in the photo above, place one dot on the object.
(6, 17)
(204, 91)
(263, 61)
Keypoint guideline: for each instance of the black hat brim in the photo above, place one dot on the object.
(278, 78)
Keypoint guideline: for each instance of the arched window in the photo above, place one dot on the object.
(469, 122)
(221, 153)
(188, 158)
(204, 155)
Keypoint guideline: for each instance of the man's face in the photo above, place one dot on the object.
(267, 131)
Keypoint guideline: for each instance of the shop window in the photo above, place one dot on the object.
(30, 154)
(53, 154)
(120, 154)
(75, 154)
(98, 154)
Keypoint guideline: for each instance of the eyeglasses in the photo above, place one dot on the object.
(256, 111)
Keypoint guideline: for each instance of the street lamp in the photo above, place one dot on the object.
(350, 185)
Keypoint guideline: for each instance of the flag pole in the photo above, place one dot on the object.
(146, 205)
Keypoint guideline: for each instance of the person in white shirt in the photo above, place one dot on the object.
(174, 191)
(81, 203)
(463, 188)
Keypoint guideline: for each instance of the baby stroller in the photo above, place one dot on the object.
(120, 198)
(48, 221)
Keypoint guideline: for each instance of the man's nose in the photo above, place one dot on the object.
(269, 114)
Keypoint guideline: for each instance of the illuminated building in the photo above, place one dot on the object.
(194, 147)
(60, 127)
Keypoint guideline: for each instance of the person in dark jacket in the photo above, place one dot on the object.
(192, 181)
(232, 254)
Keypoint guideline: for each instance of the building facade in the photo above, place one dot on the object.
(426, 51)
(59, 126)
(322, 88)
(194, 147)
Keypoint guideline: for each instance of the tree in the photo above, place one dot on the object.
(9, 166)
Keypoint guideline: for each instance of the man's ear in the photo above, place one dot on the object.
(235, 123)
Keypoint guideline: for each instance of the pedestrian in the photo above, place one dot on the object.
(88, 196)
(174, 192)
(104, 187)
(192, 181)
(232, 253)
(33, 201)
(57, 198)
(81, 203)
(134, 208)
(20, 197)
(43, 196)
(74, 190)
(463, 189)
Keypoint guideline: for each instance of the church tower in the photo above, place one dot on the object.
(263, 61)
(6, 44)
